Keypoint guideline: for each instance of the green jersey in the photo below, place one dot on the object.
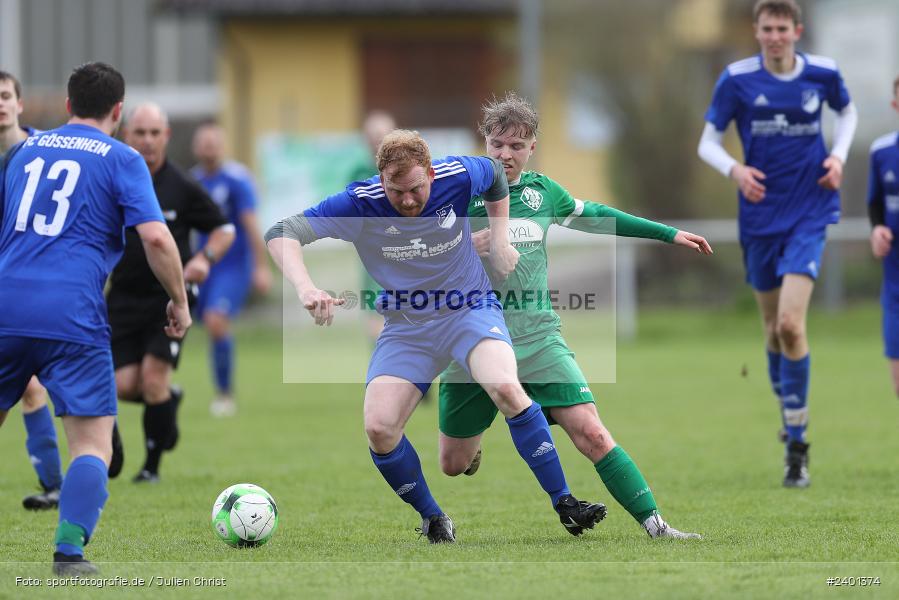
(536, 203)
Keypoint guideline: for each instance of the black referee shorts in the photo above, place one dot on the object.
(137, 324)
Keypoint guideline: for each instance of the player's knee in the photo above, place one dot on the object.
(216, 323)
(452, 463)
(156, 390)
(382, 436)
(597, 438)
(509, 397)
(33, 399)
(790, 330)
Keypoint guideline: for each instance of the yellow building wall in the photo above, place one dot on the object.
(301, 76)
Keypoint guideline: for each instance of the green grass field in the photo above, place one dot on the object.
(701, 427)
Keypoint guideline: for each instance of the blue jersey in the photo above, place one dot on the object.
(883, 188)
(779, 123)
(67, 196)
(419, 261)
(231, 187)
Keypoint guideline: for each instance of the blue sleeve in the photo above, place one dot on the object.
(480, 170)
(837, 94)
(244, 195)
(875, 189)
(135, 188)
(336, 216)
(724, 104)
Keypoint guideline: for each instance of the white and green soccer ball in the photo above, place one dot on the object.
(244, 515)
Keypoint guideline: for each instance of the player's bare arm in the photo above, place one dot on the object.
(165, 262)
(197, 268)
(881, 241)
(749, 180)
(693, 241)
(288, 255)
(834, 176)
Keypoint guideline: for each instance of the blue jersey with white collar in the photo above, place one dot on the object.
(883, 187)
(779, 124)
(67, 196)
(430, 256)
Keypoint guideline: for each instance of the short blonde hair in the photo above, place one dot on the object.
(402, 150)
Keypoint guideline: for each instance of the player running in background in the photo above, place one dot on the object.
(546, 367)
(243, 267)
(883, 210)
(143, 354)
(66, 196)
(788, 191)
(40, 440)
(409, 228)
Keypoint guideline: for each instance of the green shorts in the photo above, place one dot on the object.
(547, 371)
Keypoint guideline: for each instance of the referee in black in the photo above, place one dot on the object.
(144, 357)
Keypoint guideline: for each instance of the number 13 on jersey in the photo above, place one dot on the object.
(35, 169)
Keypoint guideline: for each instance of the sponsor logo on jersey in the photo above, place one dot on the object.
(811, 101)
(892, 203)
(392, 230)
(779, 125)
(531, 198)
(418, 249)
(890, 177)
(584, 390)
(446, 217)
(525, 234)
(761, 100)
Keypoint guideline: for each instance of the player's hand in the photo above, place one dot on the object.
(481, 241)
(503, 260)
(881, 241)
(262, 279)
(691, 240)
(320, 305)
(179, 320)
(834, 176)
(749, 180)
(197, 269)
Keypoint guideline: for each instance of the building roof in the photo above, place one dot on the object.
(329, 8)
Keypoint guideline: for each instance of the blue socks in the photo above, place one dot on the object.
(80, 502)
(223, 362)
(774, 359)
(534, 442)
(43, 451)
(794, 376)
(402, 470)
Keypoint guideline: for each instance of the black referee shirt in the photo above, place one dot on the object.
(185, 206)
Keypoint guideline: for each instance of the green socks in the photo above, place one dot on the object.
(626, 484)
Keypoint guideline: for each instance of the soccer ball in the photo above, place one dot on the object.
(244, 515)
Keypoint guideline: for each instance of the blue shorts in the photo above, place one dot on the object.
(225, 290)
(419, 352)
(890, 325)
(79, 378)
(767, 259)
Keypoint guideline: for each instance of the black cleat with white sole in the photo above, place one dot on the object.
(796, 465)
(577, 515)
(439, 529)
(46, 500)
